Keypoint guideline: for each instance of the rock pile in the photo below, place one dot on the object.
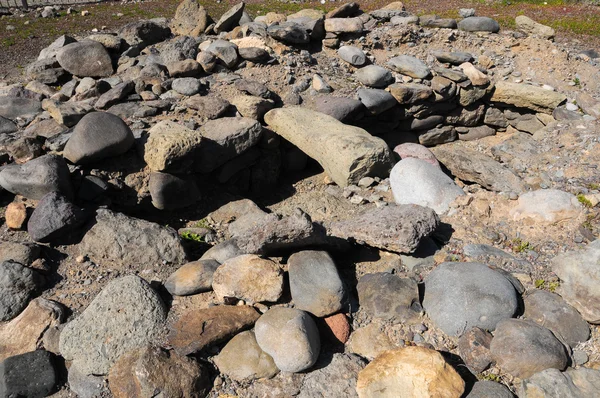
(388, 275)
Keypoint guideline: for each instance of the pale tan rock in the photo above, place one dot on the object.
(170, 147)
(527, 96)
(409, 372)
(344, 25)
(249, 277)
(369, 341)
(191, 19)
(534, 28)
(242, 359)
(24, 333)
(476, 77)
(251, 106)
(15, 215)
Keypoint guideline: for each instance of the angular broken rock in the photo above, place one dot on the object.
(124, 316)
(416, 371)
(143, 372)
(191, 19)
(250, 278)
(527, 96)
(387, 296)
(171, 147)
(273, 232)
(127, 240)
(347, 153)
(397, 228)
(474, 166)
(24, 333)
(198, 329)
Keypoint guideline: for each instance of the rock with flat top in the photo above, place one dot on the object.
(527, 96)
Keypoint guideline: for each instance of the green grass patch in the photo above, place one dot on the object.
(584, 201)
(187, 235)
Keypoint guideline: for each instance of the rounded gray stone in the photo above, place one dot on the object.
(409, 66)
(376, 100)
(85, 59)
(460, 296)
(353, 55)
(315, 284)
(389, 297)
(124, 316)
(374, 76)
(290, 336)
(186, 86)
(489, 389)
(479, 24)
(172, 192)
(18, 284)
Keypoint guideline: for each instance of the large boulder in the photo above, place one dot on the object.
(191, 19)
(126, 240)
(85, 59)
(459, 296)
(126, 315)
(534, 28)
(347, 153)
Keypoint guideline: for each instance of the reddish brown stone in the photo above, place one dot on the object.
(474, 349)
(339, 327)
(199, 329)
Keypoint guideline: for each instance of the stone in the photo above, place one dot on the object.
(404, 21)
(230, 18)
(24, 333)
(369, 341)
(250, 278)
(459, 296)
(15, 215)
(19, 284)
(254, 54)
(479, 24)
(546, 206)
(315, 284)
(344, 11)
(52, 49)
(124, 316)
(290, 337)
(578, 272)
(7, 126)
(551, 311)
(111, 42)
(14, 107)
(97, 136)
(85, 59)
(86, 386)
(476, 133)
(438, 135)
(409, 66)
(252, 107)
(527, 96)
(198, 329)
(388, 297)
(186, 86)
(353, 55)
(115, 94)
(415, 371)
(91, 188)
(576, 383)
(252, 87)
(153, 370)
(289, 32)
(452, 57)
(171, 147)
(376, 100)
(374, 76)
(179, 48)
(54, 219)
(170, 192)
(447, 23)
(338, 328)
(411, 150)
(126, 240)
(474, 166)
(67, 113)
(534, 28)
(337, 379)
(188, 68)
(489, 389)
(409, 93)
(225, 51)
(191, 19)
(207, 107)
(222, 252)
(476, 77)
(23, 253)
(471, 94)
(346, 153)
(416, 181)
(522, 348)
(344, 25)
(145, 32)
(396, 228)
(32, 374)
(340, 108)
(474, 349)
(242, 359)
(223, 139)
(320, 85)
(192, 278)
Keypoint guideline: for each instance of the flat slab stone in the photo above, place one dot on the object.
(347, 153)
(527, 96)
(395, 228)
